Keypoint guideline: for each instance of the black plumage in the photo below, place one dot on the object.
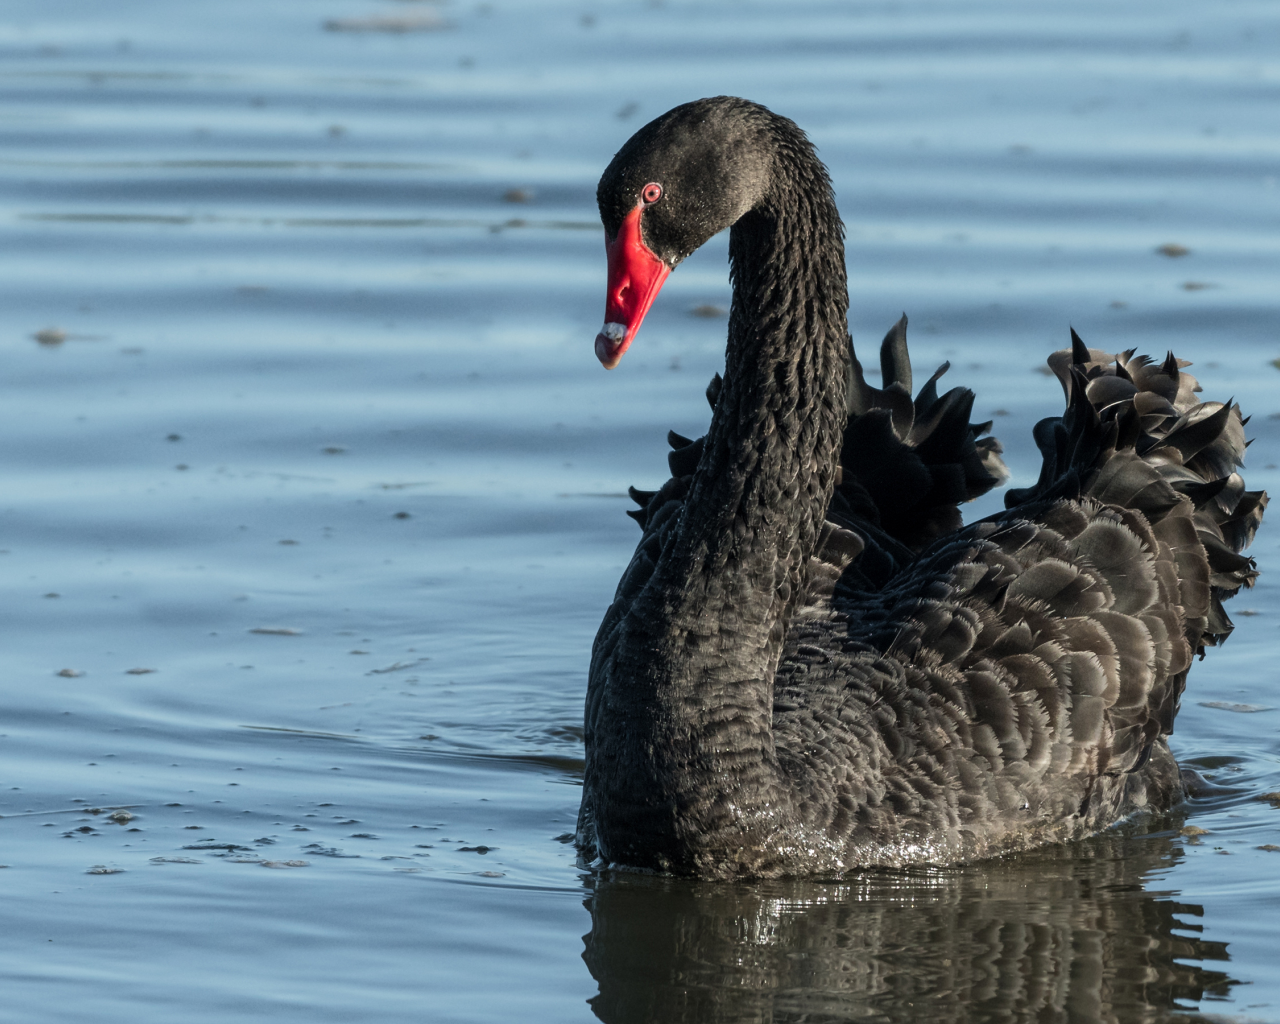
(809, 663)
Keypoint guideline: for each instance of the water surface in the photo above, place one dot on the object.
(311, 492)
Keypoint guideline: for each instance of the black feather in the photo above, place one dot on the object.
(1079, 350)
(895, 364)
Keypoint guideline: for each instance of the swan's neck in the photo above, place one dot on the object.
(689, 674)
(761, 492)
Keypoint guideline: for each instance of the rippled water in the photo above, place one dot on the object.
(311, 492)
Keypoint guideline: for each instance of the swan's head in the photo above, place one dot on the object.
(679, 180)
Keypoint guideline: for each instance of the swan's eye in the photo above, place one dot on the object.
(652, 193)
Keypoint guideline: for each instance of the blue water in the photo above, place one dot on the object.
(316, 435)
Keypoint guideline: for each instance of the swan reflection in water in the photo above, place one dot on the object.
(1067, 933)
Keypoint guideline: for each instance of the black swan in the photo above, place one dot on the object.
(810, 665)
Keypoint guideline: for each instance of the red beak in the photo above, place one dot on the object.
(635, 278)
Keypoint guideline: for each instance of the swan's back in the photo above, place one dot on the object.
(1014, 682)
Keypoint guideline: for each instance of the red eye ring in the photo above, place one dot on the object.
(651, 193)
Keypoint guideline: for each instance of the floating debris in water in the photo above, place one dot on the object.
(285, 863)
(102, 869)
(176, 860)
(1242, 709)
(402, 515)
(139, 671)
(69, 673)
(121, 817)
(1196, 286)
(1271, 847)
(316, 850)
(517, 195)
(386, 23)
(482, 850)
(334, 449)
(54, 336)
(1193, 831)
(708, 311)
(1272, 798)
(399, 666)
(490, 874)
(276, 631)
(1173, 250)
